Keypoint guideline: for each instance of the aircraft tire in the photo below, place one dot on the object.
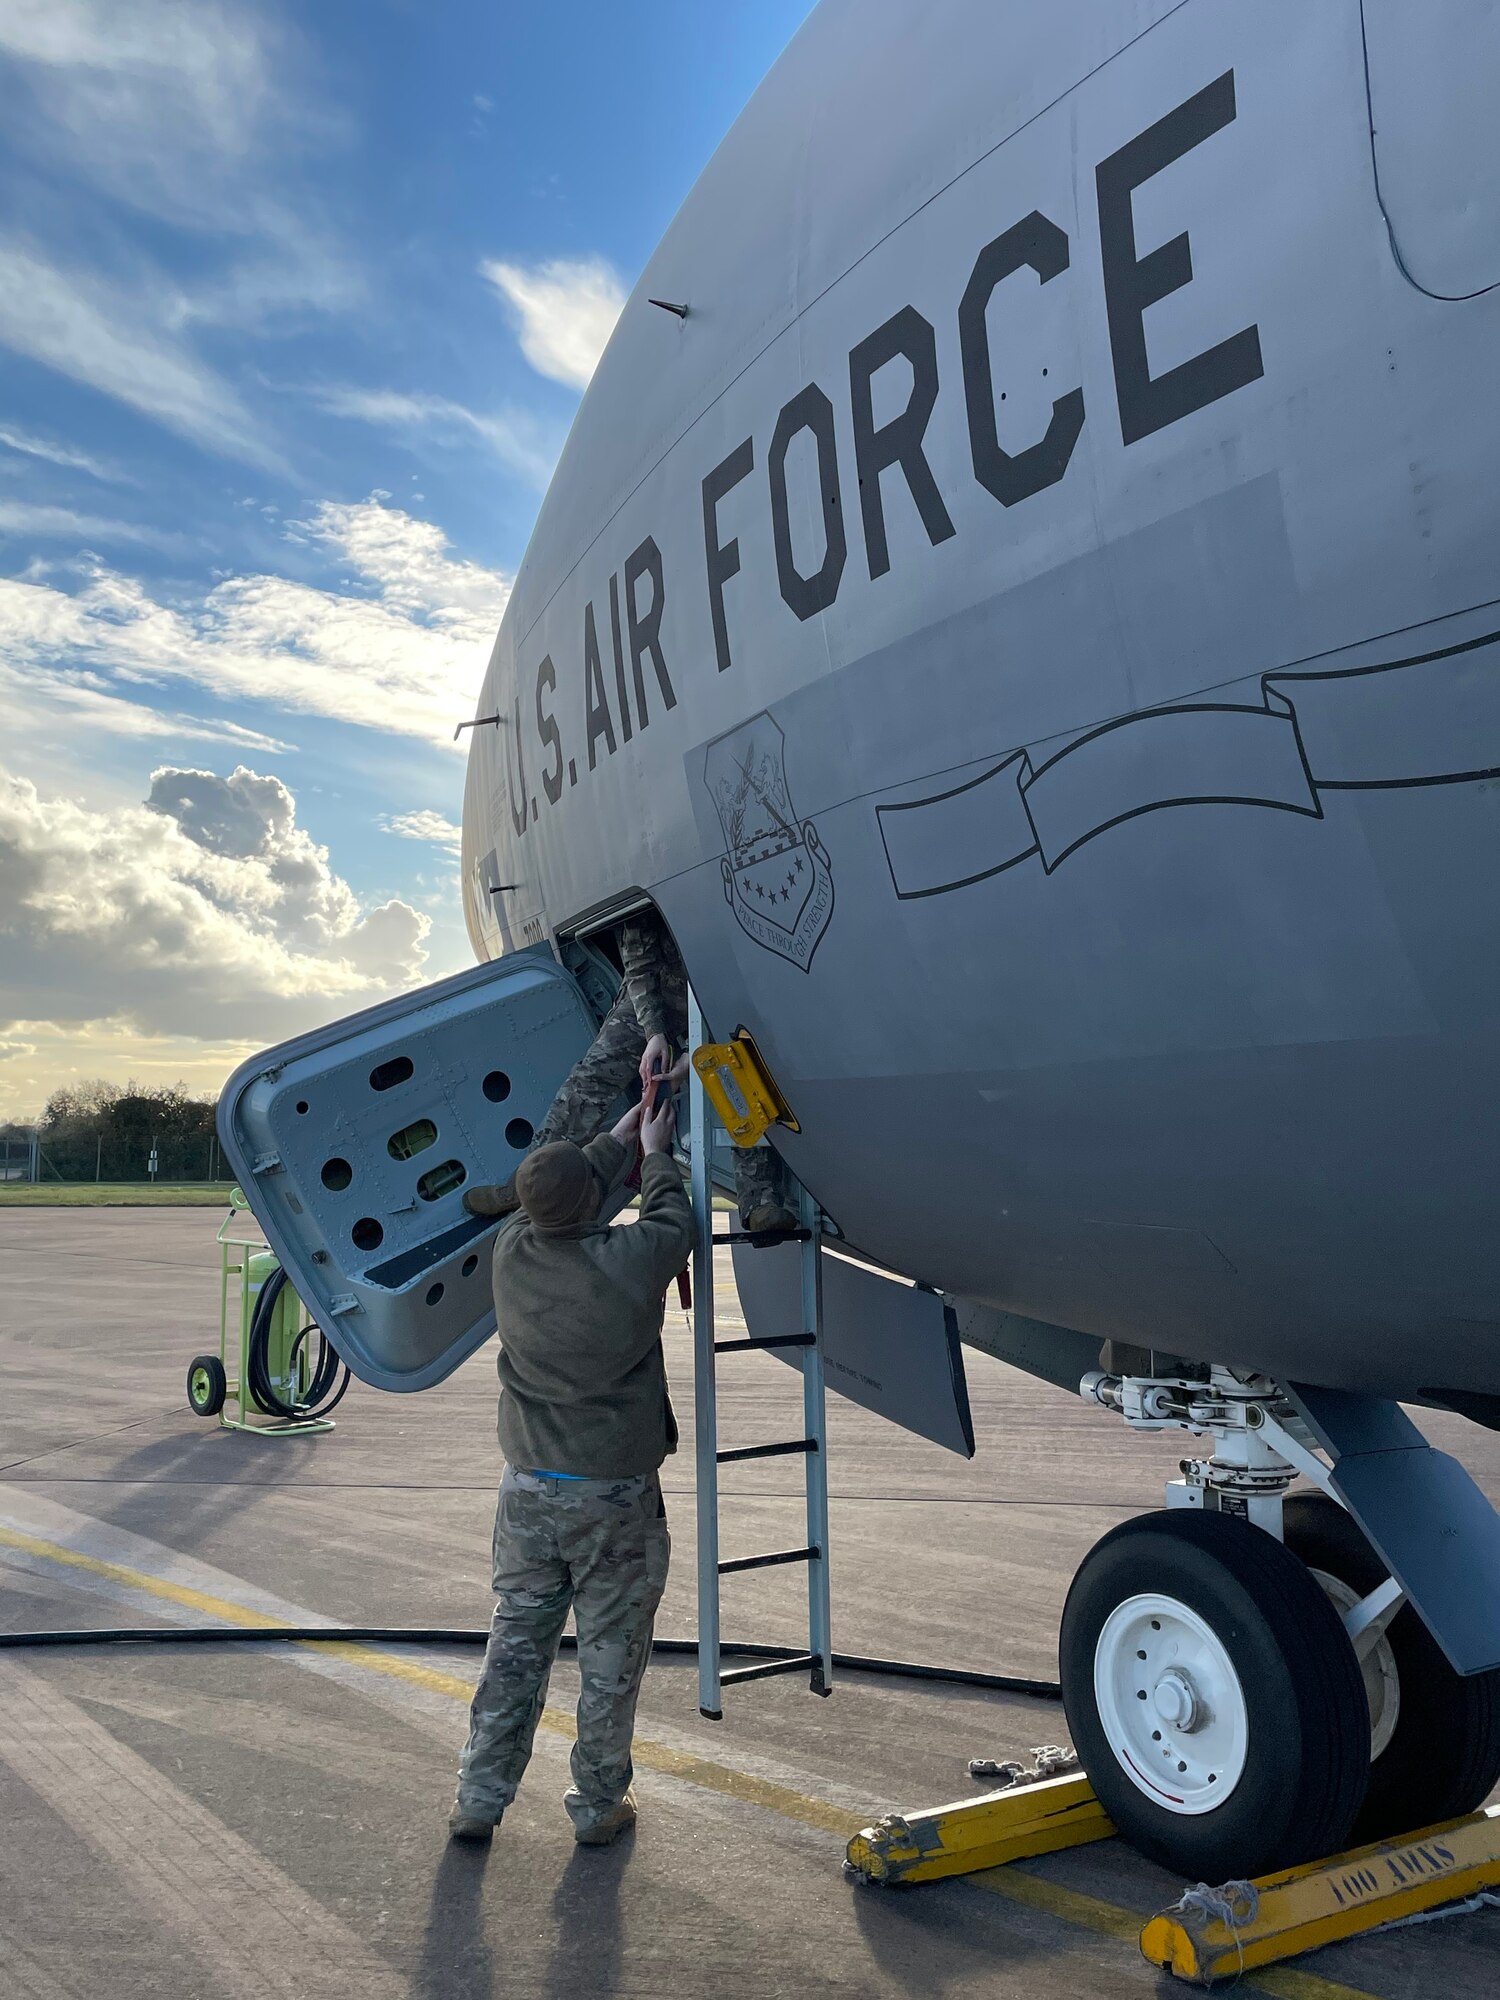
(1199, 1654)
(1441, 1756)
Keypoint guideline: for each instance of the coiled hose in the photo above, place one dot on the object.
(326, 1387)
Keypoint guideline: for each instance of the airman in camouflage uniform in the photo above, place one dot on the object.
(601, 1548)
(585, 1421)
(652, 1002)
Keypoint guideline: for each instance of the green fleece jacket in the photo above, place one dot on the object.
(583, 1387)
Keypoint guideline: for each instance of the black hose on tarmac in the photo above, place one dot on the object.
(429, 1635)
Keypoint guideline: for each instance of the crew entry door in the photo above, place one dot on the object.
(355, 1143)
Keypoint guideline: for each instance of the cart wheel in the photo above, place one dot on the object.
(206, 1385)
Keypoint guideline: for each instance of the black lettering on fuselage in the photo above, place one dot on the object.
(518, 804)
(722, 559)
(898, 442)
(548, 731)
(1132, 283)
(645, 629)
(1146, 404)
(595, 700)
(622, 692)
(1039, 245)
(809, 410)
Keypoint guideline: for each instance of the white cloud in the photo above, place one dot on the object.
(407, 656)
(515, 436)
(168, 105)
(65, 455)
(563, 311)
(207, 914)
(24, 519)
(426, 825)
(37, 698)
(120, 343)
(197, 114)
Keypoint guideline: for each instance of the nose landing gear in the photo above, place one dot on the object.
(1246, 1685)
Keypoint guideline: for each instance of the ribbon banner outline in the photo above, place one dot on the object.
(1433, 719)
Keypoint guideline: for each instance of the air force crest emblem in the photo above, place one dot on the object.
(776, 874)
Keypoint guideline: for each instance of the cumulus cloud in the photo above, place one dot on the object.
(206, 913)
(517, 439)
(563, 311)
(429, 826)
(405, 653)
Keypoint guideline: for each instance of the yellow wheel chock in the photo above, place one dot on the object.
(1218, 1933)
(1209, 1934)
(1025, 1819)
(742, 1089)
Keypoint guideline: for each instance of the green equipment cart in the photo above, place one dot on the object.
(287, 1377)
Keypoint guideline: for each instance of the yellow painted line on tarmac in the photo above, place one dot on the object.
(700, 1771)
(138, 1579)
(1015, 1885)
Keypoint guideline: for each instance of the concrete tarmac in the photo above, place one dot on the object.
(200, 1821)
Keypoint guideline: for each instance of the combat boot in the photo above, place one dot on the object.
(467, 1823)
(500, 1198)
(600, 1832)
(768, 1218)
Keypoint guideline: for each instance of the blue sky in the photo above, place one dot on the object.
(296, 304)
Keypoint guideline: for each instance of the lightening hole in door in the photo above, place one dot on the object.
(438, 1181)
(434, 1293)
(396, 1069)
(519, 1133)
(412, 1139)
(496, 1086)
(337, 1174)
(470, 1266)
(367, 1233)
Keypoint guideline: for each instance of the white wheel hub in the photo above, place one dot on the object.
(1377, 1663)
(1171, 1703)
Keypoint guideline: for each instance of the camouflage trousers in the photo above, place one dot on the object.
(599, 1547)
(598, 1078)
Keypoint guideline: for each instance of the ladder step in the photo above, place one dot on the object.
(771, 1340)
(787, 1450)
(765, 1668)
(761, 1239)
(769, 1562)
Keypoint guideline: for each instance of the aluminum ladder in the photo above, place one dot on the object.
(811, 1447)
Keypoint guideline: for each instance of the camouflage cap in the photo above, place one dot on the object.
(556, 1185)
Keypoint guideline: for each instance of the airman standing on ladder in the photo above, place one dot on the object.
(642, 1034)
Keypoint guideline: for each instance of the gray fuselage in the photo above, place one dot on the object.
(1029, 629)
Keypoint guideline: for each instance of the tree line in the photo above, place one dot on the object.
(107, 1131)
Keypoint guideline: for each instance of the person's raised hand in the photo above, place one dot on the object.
(628, 1128)
(658, 1126)
(654, 1059)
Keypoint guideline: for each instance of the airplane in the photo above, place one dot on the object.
(1020, 601)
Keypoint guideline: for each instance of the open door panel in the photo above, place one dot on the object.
(354, 1144)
